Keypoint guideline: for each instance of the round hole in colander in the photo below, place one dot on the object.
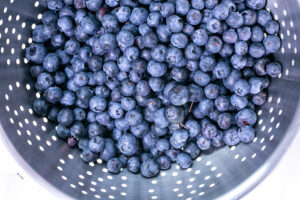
(228, 172)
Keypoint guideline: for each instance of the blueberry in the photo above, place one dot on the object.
(274, 69)
(144, 29)
(114, 165)
(109, 150)
(160, 119)
(88, 156)
(174, 115)
(36, 53)
(225, 120)
(62, 132)
(213, 25)
(179, 138)
(79, 4)
(244, 33)
(235, 20)
(83, 144)
(194, 17)
(116, 134)
(256, 85)
(96, 144)
(179, 40)
(109, 23)
(221, 70)
(127, 87)
(150, 40)
(68, 98)
(52, 115)
(38, 35)
(197, 4)
(131, 28)
(174, 23)
(138, 16)
(246, 134)
(89, 25)
(260, 66)
(60, 77)
(72, 46)
(193, 127)
(259, 99)
(184, 160)
(192, 65)
(97, 104)
(134, 164)
(163, 33)
(95, 129)
(212, 91)
(124, 64)
(245, 117)
(53, 94)
(123, 13)
(112, 3)
(141, 100)
(167, 9)
(200, 37)
(230, 36)
(205, 106)
(222, 103)
(231, 137)
(201, 78)
(133, 117)
(155, 6)
(257, 50)
(36, 70)
(149, 168)
(55, 4)
(153, 104)
(192, 150)
(257, 34)
(77, 64)
(221, 11)
(107, 41)
(125, 39)
(241, 48)
(80, 79)
(182, 7)
(154, 19)
(149, 141)
(44, 80)
(128, 144)
(249, 16)
(158, 53)
(40, 106)
(140, 130)
(116, 94)
(272, 27)
(130, 3)
(238, 102)
(214, 44)
(179, 95)
(241, 88)
(238, 62)
(78, 130)
(49, 16)
(272, 43)
(174, 55)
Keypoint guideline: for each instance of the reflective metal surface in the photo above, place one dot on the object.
(225, 173)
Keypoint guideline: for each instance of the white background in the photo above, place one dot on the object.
(282, 183)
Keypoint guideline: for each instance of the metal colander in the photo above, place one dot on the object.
(224, 173)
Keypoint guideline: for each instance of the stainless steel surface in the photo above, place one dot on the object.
(226, 173)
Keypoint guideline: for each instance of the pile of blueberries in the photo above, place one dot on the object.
(144, 83)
